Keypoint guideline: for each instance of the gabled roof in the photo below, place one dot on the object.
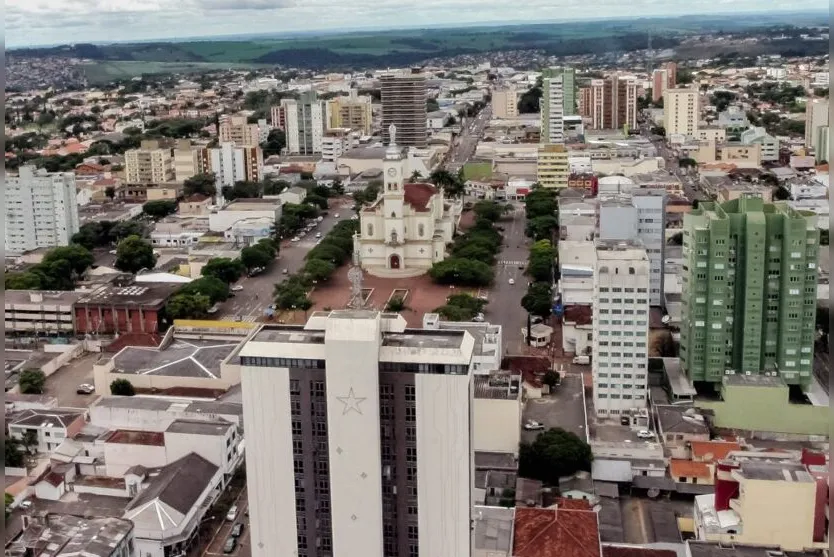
(688, 469)
(419, 195)
(711, 451)
(555, 533)
(53, 417)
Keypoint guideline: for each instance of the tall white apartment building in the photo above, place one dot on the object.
(304, 120)
(41, 209)
(553, 110)
(621, 327)
(681, 112)
(505, 102)
(359, 437)
(231, 163)
(816, 116)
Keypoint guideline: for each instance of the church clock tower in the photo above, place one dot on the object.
(393, 195)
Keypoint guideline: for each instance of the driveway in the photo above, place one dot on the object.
(564, 408)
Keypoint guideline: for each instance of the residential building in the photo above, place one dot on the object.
(231, 163)
(558, 100)
(552, 166)
(49, 427)
(610, 103)
(352, 112)
(769, 145)
(496, 411)
(41, 210)
(715, 134)
(734, 118)
(333, 144)
(380, 462)
(236, 129)
(33, 312)
(717, 549)
(638, 216)
(681, 112)
(570, 527)
(149, 164)
(660, 81)
(304, 123)
(816, 116)
(621, 327)
(189, 161)
(505, 102)
(820, 143)
(772, 502)
(278, 117)
(404, 106)
(406, 230)
(65, 535)
(749, 291)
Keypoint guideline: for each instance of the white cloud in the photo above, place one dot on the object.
(31, 22)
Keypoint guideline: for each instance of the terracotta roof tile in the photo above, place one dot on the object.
(581, 315)
(688, 469)
(623, 551)
(555, 532)
(419, 195)
(710, 451)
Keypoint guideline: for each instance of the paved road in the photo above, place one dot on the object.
(63, 383)
(464, 147)
(504, 306)
(256, 295)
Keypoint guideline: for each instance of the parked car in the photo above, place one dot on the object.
(214, 309)
(237, 288)
(319, 219)
(230, 545)
(582, 360)
(237, 529)
(645, 434)
(285, 272)
(85, 389)
(533, 425)
(296, 239)
(478, 318)
(512, 282)
(336, 215)
(318, 234)
(256, 271)
(232, 514)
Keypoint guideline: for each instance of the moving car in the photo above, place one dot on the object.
(237, 529)
(645, 434)
(512, 281)
(318, 234)
(214, 309)
(296, 239)
(237, 288)
(285, 272)
(533, 425)
(336, 215)
(232, 514)
(85, 389)
(230, 545)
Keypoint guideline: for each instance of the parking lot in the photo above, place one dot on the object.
(63, 383)
(564, 408)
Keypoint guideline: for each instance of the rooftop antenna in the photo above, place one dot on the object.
(357, 300)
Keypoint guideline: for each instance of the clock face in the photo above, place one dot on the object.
(392, 172)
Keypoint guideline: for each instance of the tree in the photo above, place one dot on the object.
(541, 228)
(292, 293)
(551, 379)
(462, 272)
(540, 202)
(13, 453)
(223, 268)
(211, 287)
(275, 143)
(489, 210)
(9, 498)
(688, 163)
(317, 200)
(254, 256)
(241, 190)
(396, 305)
(538, 300)
(160, 208)
(781, 193)
(29, 441)
(110, 192)
(79, 258)
(452, 184)
(675, 239)
(123, 229)
(32, 381)
(554, 454)
(122, 387)
(528, 103)
(133, 254)
(187, 306)
(542, 261)
(319, 269)
(200, 183)
(23, 281)
(328, 252)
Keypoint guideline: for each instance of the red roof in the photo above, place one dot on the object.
(581, 315)
(711, 451)
(418, 196)
(555, 532)
(54, 479)
(529, 367)
(196, 198)
(679, 468)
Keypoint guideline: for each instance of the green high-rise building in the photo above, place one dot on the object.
(558, 100)
(749, 291)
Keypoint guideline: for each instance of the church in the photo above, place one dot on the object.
(405, 231)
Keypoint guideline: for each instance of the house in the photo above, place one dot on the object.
(563, 531)
(66, 535)
(48, 426)
(195, 204)
(294, 195)
(688, 471)
(678, 426)
(170, 504)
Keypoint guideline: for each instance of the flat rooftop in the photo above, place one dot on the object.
(62, 534)
(497, 386)
(410, 338)
(715, 549)
(136, 437)
(47, 297)
(198, 427)
(153, 294)
(493, 529)
(181, 358)
(776, 471)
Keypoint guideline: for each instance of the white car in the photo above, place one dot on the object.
(318, 234)
(296, 239)
(232, 514)
(533, 425)
(512, 281)
(85, 389)
(336, 216)
(478, 318)
(645, 434)
(237, 288)
(214, 309)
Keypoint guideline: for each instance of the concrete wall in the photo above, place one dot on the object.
(118, 457)
(103, 376)
(760, 409)
(497, 426)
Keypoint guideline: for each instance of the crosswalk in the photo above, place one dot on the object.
(244, 318)
(514, 263)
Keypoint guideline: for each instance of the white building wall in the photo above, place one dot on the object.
(228, 165)
(444, 464)
(211, 447)
(118, 457)
(224, 219)
(497, 425)
(556, 112)
(291, 118)
(269, 461)
(352, 375)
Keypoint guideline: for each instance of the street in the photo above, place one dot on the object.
(464, 146)
(504, 306)
(251, 302)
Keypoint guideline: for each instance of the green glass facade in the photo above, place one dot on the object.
(749, 291)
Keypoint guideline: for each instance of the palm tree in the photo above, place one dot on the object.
(416, 176)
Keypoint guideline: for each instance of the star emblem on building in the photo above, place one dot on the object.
(351, 402)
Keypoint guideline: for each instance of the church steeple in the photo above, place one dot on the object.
(394, 165)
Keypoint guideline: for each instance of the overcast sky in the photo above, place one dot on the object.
(40, 22)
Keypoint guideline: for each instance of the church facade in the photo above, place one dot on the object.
(405, 231)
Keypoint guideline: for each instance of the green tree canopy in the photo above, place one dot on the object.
(200, 183)
(224, 268)
(292, 293)
(79, 258)
(212, 287)
(461, 272)
(122, 387)
(554, 454)
(316, 200)
(133, 254)
(13, 453)
(540, 228)
(319, 269)
(187, 306)
(31, 381)
(542, 261)
(242, 190)
(159, 208)
(254, 256)
(275, 142)
(538, 299)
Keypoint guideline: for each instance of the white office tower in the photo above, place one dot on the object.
(553, 110)
(41, 209)
(621, 328)
(304, 123)
(358, 437)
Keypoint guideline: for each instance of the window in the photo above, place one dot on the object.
(370, 229)
(421, 230)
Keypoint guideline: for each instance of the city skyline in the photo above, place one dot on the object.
(50, 22)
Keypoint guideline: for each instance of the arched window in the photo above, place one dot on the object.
(370, 230)
(421, 230)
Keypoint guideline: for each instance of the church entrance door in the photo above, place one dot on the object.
(395, 261)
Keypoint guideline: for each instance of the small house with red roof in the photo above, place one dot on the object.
(405, 230)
